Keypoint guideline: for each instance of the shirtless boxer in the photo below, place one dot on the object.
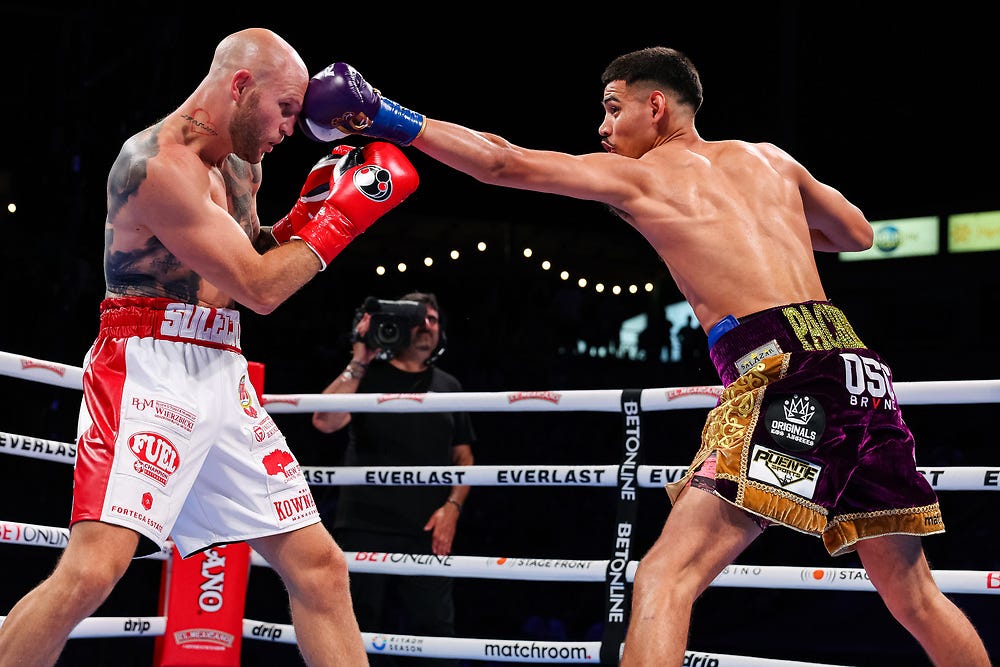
(807, 433)
(172, 439)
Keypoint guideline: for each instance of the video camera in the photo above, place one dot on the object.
(390, 324)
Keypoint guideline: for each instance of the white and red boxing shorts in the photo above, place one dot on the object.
(173, 441)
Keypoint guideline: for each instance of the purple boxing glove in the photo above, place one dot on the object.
(339, 102)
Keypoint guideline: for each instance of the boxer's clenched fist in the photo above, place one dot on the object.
(339, 101)
(381, 179)
(314, 193)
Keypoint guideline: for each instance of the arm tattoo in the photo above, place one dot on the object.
(242, 180)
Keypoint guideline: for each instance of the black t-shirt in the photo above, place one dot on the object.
(400, 439)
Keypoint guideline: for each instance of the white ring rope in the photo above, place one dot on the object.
(944, 478)
(558, 569)
(585, 400)
(496, 650)
(492, 567)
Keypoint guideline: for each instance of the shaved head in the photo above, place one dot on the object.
(259, 50)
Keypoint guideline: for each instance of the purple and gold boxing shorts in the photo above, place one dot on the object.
(808, 433)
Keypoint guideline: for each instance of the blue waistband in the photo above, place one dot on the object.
(727, 323)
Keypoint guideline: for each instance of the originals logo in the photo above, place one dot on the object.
(374, 182)
(795, 423)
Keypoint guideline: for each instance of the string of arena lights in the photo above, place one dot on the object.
(600, 286)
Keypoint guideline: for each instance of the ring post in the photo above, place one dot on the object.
(618, 592)
(204, 597)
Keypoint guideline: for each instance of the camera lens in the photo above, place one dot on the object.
(388, 334)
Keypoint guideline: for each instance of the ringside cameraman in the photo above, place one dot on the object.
(395, 346)
(166, 445)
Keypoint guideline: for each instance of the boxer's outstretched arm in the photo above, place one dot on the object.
(605, 177)
(340, 101)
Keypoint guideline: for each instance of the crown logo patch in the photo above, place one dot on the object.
(795, 423)
(799, 410)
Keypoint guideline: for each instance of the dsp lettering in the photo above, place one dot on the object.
(157, 456)
(869, 381)
(185, 321)
(821, 326)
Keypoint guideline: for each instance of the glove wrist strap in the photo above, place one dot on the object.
(327, 234)
(396, 123)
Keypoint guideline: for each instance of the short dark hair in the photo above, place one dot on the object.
(660, 65)
(422, 297)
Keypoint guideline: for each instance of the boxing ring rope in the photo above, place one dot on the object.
(499, 567)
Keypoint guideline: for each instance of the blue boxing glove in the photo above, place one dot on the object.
(339, 101)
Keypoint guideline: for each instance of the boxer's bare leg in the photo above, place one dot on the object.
(314, 571)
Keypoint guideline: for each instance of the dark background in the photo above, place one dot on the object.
(893, 105)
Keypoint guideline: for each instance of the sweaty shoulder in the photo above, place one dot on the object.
(777, 158)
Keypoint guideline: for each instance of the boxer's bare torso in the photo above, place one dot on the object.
(136, 262)
(736, 223)
(728, 220)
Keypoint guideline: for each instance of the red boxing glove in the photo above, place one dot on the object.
(314, 192)
(361, 196)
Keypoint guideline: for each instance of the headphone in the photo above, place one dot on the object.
(442, 342)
